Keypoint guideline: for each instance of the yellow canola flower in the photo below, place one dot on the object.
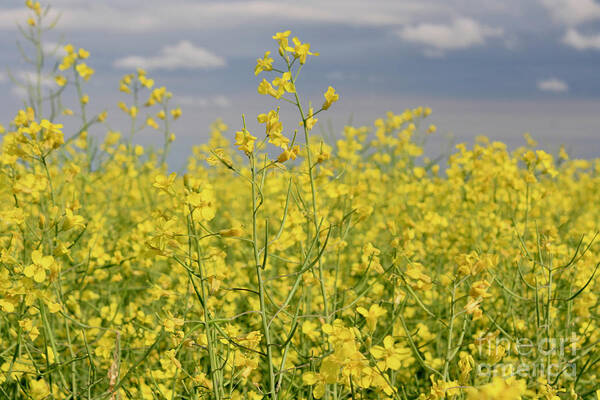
(84, 71)
(330, 97)
(60, 80)
(151, 123)
(288, 154)
(300, 50)
(264, 64)
(282, 39)
(265, 88)
(499, 389)
(34, 6)
(176, 113)
(165, 183)
(274, 128)
(391, 356)
(71, 221)
(67, 61)
(245, 141)
(310, 121)
(40, 264)
(146, 82)
(83, 54)
(284, 83)
(372, 315)
(158, 95)
(231, 232)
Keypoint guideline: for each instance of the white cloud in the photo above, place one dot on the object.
(218, 101)
(54, 49)
(183, 55)
(580, 41)
(572, 12)
(2, 77)
(174, 15)
(156, 16)
(23, 79)
(10, 17)
(221, 101)
(462, 33)
(192, 101)
(30, 77)
(552, 85)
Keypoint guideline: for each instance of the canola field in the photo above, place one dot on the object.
(282, 266)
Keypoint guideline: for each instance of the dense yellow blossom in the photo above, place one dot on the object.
(284, 265)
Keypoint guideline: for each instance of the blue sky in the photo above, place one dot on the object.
(495, 67)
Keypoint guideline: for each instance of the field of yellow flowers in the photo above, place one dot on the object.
(280, 266)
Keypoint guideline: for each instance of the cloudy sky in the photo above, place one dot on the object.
(494, 67)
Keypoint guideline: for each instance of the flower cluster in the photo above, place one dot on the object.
(359, 268)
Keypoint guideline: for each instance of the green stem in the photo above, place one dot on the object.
(261, 286)
(313, 198)
(207, 318)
